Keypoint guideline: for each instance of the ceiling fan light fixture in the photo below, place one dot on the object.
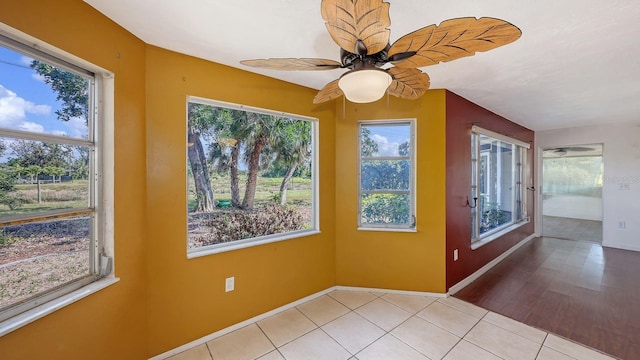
(364, 86)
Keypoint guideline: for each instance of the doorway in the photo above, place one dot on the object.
(572, 178)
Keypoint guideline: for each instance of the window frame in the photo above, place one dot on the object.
(101, 177)
(410, 227)
(519, 167)
(261, 240)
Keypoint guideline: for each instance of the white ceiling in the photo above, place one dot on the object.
(577, 62)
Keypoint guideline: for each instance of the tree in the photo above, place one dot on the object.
(39, 153)
(72, 90)
(7, 186)
(291, 140)
(231, 129)
(368, 147)
(53, 171)
(403, 149)
(79, 167)
(33, 171)
(200, 119)
(240, 130)
(258, 138)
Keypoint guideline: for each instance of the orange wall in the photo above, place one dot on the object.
(186, 296)
(393, 260)
(111, 322)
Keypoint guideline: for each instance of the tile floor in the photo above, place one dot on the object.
(572, 229)
(366, 325)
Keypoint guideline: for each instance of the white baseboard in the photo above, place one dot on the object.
(620, 246)
(471, 278)
(388, 291)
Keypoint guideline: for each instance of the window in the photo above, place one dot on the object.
(251, 176)
(54, 233)
(386, 177)
(498, 165)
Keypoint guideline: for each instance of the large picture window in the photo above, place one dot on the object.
(52, 223)
(386, 177)
(498, 164)
(251, 176)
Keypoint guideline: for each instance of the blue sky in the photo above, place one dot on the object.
(27, 102)
(389, 138)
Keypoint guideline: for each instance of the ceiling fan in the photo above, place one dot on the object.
(361, 29)
(562, 151)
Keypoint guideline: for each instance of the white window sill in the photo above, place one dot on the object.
(47, 308)
(490, 238)
(408, 230)
(241, 244)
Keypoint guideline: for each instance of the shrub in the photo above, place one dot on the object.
(385, 209)
(230, 225)
(6, 239)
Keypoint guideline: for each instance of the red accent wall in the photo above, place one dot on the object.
(461, 115)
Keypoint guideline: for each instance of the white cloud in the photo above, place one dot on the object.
(14, 109)
(385, 148)
(77, 127)
(59, 133)
(31, 126)
(25, 60)
(37, 77)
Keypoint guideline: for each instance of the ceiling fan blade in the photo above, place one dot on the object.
(453, 39)
(329, 92)
(293, 64)
(408, 83)
(365, 20)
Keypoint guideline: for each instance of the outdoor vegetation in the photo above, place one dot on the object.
(249, 174)
(38, 177)
(385, 177)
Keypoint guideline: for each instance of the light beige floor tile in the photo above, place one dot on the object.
(448, 318)
(572, 349)
(519, 328)
(314, 345)
(501, 342)
(410, 303)
(199, 352)
(353, 332)
(387, 348)
(464, 306)
(467, 351)
(352, 299)
(550, 354)
(384, 314)
(274, 355)
(286, 326)
(425, 337)
(323, 309)
(248, 342)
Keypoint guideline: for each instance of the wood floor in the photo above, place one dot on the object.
(576, 289)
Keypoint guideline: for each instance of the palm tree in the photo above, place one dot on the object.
(200, 118)
(292, 144)
(259, 136)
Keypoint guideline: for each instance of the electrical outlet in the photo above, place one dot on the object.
(622, 224)
(230, 284)
(455, 255)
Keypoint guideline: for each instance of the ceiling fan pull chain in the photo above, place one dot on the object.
(387, 98)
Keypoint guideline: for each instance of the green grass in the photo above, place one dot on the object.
(298, 192)
(67, 195)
